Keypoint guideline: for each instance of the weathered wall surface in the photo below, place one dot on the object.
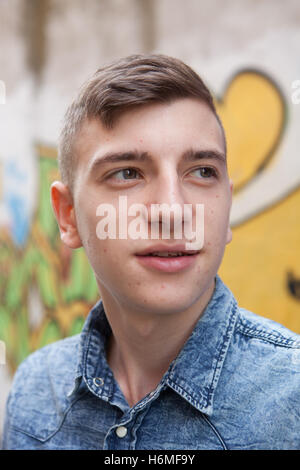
(248, 54)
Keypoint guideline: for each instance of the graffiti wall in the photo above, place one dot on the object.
(262, 264)
(46, 290)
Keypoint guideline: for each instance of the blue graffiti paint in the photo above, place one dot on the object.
(20, 223)
(15, 202)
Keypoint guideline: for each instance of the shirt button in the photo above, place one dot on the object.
(121, 431)
(98, 381)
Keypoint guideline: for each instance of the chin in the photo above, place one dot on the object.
(164, 303)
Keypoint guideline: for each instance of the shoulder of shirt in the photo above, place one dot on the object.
(41, 386)
(263, 329)
(60, 353)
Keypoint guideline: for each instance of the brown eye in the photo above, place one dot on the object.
(205, 172)
(126, 174)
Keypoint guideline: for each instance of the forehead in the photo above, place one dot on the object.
(160, 129)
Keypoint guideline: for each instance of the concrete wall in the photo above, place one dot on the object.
(246, 51)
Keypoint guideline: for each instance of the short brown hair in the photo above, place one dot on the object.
(128, 82)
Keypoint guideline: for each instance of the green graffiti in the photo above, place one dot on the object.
(59, 279)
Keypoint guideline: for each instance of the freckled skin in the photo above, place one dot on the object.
(166, 132)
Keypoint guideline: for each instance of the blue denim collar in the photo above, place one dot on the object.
(194, 374)
(197, 369)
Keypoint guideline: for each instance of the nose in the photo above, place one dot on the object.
(167, 188)
(166, 202)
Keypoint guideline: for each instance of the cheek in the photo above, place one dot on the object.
(216, 221)
(105, 255)
(87, 220)
(86, 224)
(102, 258)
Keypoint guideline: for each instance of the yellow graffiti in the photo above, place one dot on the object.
(257, 262)
(262, 264)
(252, 112)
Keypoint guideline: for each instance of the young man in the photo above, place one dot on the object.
(166, 359)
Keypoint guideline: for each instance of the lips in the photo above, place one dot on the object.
(167, 258)
(168, 254)
(167, 250)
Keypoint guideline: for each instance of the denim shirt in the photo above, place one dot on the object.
(234, 385)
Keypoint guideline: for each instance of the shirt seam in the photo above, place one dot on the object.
(201, 401)
(197, 403)
(56, 430)
(224, 348)
(265, 336)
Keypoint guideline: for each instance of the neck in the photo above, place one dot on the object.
(142, 346)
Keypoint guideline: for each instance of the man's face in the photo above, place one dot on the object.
(159, 153)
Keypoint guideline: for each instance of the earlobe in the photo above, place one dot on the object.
(62, 204)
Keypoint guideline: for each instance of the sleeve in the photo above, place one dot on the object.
(21, 399)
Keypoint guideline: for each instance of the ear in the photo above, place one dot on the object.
(62, 204)
(229, 232)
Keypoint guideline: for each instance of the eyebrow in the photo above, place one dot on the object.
(190, 155)
(117, 157)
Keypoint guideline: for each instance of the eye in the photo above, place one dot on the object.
(125, 174)
(205, 172)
